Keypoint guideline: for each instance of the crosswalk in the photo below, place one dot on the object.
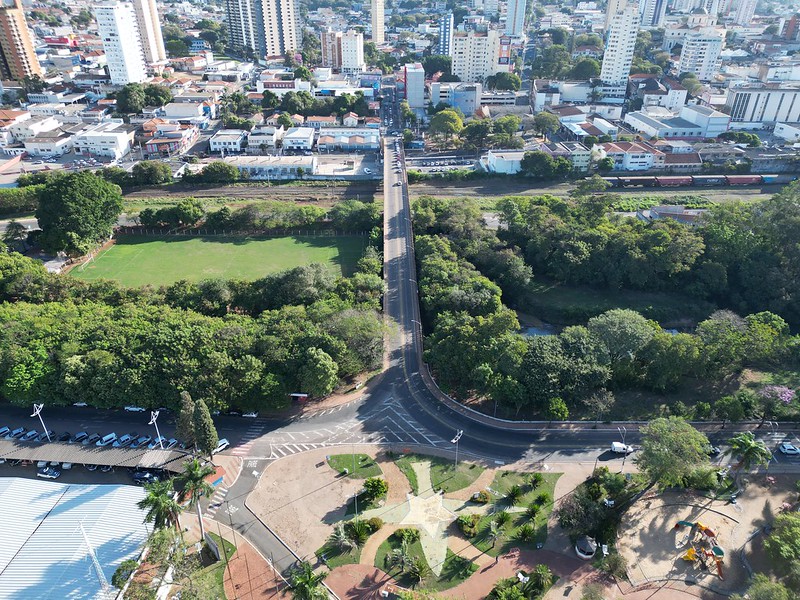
(251, 435)
(216, 500)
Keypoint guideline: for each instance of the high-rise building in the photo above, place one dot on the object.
(352, 44)
(378, 23)
(745, 12)
(17, 54)
(700, 54)
(515, 18)
(791, 31)
(475, 54)
(653, 13)
(265, 28)
(620, 43)
(117, 27)
(712, 6)
(331, 49)
(150, 30)
(445, 46)
(415, 85)
(612, 8)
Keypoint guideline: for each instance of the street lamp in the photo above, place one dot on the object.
(622, 432)
(37, 412)
(153, 418)
(459, 433)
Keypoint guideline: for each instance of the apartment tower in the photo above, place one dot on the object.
(515, 18)
(267, 28)
(653, 13)
(745, 13)
(17, 54)
(331, 49)
(620, 43)
(378, 24)
(476, 54)
(700, 54)
(445, 46)
(353, 52)
(150, 30)
(117, 27)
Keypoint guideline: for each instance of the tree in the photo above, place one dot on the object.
(600, 403)
(151, 172)
(505, 81)
(437, 63)
(494, 534)
(285, 121)
(157, 95)
(176, 48)
(195, 487)
(447, 124)
(205, 433)
(269, 100)
(77, 211)
(185, 426)
(763, 588)
(671, 450)
(131, 98)
(557, 410)
(160, 506)
(15, 234)
(585, 68)
(123, 573)
(540, 165)
(476, 133)
(219, 172)
(302, 73)
(605, 165)
(623, 333)
(307, 585)
(729, 408)
(318, 375)
(783, 543)
(751, 452)
(374, 488)
(545, 123)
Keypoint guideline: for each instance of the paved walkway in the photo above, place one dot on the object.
(424, 483)
(481, 483)
(370, 549)
(358, 582)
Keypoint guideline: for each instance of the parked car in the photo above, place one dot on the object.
(65, 437)
(4, 431)
(106, 440)
(159, 442)
(79, 437)
(49, 473)
(107, 468)
(171, 443)
(66, 466)
(91, 439)
(134, 409)
(79, 404)
(251, 415)
(221, 445)
(123, 441)
(788, 449)
(91, 467)
(620, 448)
(714, 451)
(141, 441)
(30, 436)
(43, 437)
(144, 477)
(19, 431)
(42, 464)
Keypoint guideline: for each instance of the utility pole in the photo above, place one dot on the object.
(622, 432)
(37, 412)
(459, 433)
(153, 417)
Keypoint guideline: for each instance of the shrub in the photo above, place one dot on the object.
(535, 480)
(615, 564)
(468, 524)
(593, 591)
(513, 495)
(526, 533)
(532, 510)
(542, 499)
(374, 488)
(374, 524)
(481, 497)
(502, 518)
(407, 534)
(702, 479)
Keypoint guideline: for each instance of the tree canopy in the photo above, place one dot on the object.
(671, 450)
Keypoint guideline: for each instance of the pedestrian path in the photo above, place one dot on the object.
(216, 500)
(251, 435)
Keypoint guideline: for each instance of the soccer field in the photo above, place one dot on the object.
(159, 260)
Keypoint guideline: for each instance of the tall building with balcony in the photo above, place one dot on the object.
(476, 54)
(620, 44)
(445, 46)
(378, 22)
(700, 54)
(118, 28)
(17, 54)
(150, 30)
(352, 44)
(515, 18)
(263, 28)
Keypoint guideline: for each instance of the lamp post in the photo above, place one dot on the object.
(153, 418)
(622, 432)
(459, 433)
(37, 412)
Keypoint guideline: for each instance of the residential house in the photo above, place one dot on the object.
(266, 136)
(321, 122)
(579, 155)
(358, 140)
(350, 120)
(228, 140)
(168, 139)
(632, 156)
(299, 138)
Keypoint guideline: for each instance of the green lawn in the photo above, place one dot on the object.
(503, 482)
(209, 580)
(336, 557)
(444, 475)
(160, 260)
(454, 570)
(365, 467)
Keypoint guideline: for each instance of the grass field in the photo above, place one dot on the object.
(365, 467)
(159, 260)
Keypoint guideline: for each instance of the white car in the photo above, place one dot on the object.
(251, 415)
(788, 449)
(134, 409)
(367, 171)
(620, 448)
(221, 445)
(79, 404)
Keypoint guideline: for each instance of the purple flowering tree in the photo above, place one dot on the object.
(772, 398)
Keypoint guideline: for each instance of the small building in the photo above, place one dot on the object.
(507, 162)
(228, 140)
(272, 168)
(632, 156)
(266, 136)
(358, 140)
(350, 120)
(52, 143)
(579, 155)
(321, 122)
(299, 138)
(170, 139)
(112, 139)
(788, 131)
(678, 213)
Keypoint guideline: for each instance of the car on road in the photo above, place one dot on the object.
(79, 404)
(79, 437)
(65, 437)
(43, 437)
(714, 451)
(398, 183)
(620, 448)
(251, 415)
(123, 441)
(106, 440)
(134, 409)
(19, 431)
(48, 473)
(221, 445)
(141, 441)
(30, 436)
(144, 477)
(789, 449)
(88, 441)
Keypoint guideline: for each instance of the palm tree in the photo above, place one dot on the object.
(400, 557)
(307, 585)
(538, 581)
(340, 539)
(751, 452)
(357, 532)
(513, 495)
(196, 487)
(160, 503)
(418, 569)
(495, 534)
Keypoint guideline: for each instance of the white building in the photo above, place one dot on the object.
(693, 122)
(506, 162)
(760, 105)
(347, 139)
(299, 138)
(788, 131)
(52, 143)
(466, 97)
(515, 18)
(620, 43)
(378, 23)
(445, 47)
(745, 12)
(653, 13)
(700, 55)
(228, 140)
(266, 136)
(415, 85)
(270, 168)
(109, 139)
(150, 30)
(352, 52)
(476, 54)
(117, 27)
(24, 129)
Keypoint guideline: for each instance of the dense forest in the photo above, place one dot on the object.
(467, 272)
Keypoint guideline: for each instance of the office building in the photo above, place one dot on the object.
(352, 44)
(620, 43)
(745, 12)
(117, 27)
(266, 28)
(445, 46)
(515, 18)
(760, 105)
(377, 22)
(17, 54)
(475, 54)
(331, 49)
(653, 13)
(150, 31)
(700, 55)
(415, 85)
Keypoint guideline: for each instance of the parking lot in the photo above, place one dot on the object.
(440, 165)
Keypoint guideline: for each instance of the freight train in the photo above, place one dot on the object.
(697, 180)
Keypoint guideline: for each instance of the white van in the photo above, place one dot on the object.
(105, 441)
(620, 448)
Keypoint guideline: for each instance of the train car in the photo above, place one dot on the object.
(612, 181)
(743, 179)
(637, 181)
(770, 179)
(673, 180)
(709, 180)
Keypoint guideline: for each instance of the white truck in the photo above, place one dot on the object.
(620, 448)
